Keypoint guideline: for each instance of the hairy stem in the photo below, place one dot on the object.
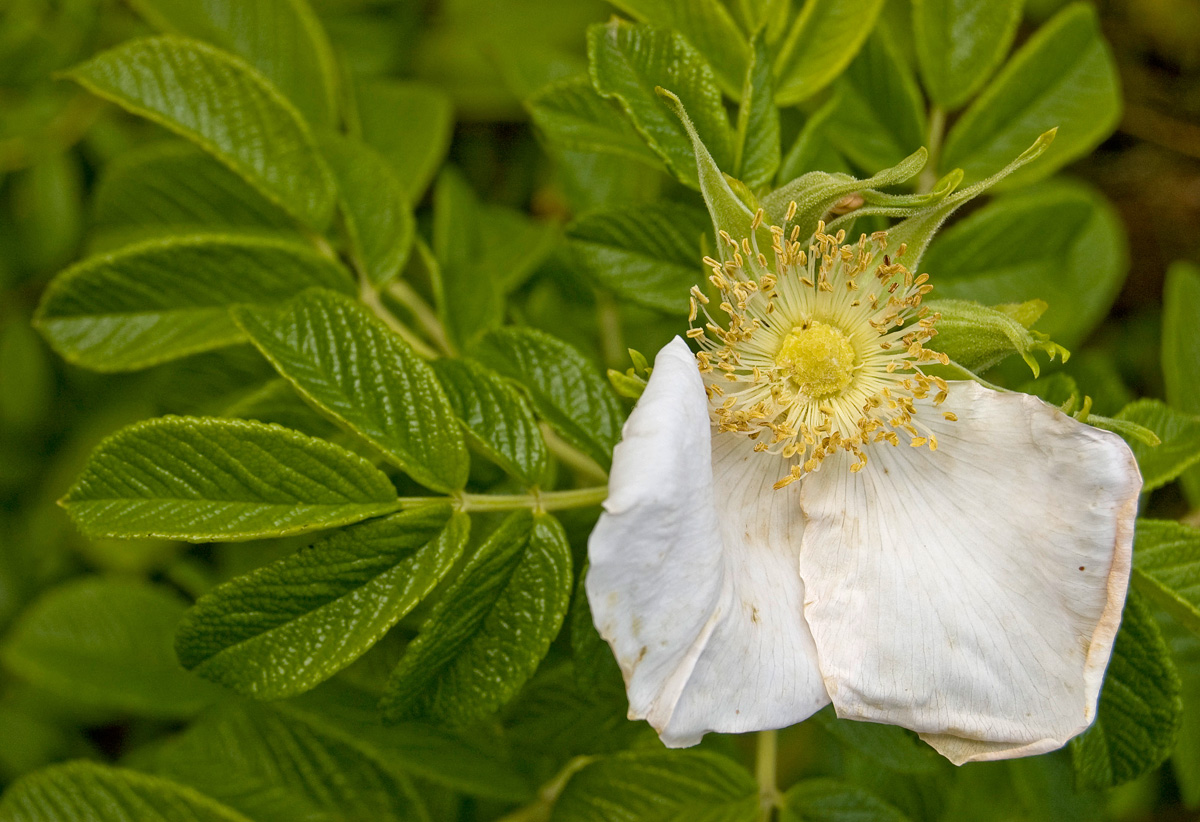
(937, 129)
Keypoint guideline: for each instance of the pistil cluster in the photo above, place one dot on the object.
(822, 348)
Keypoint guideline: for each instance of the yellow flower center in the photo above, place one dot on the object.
(818, 358)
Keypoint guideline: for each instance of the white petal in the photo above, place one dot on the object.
(694, 582)
(972, 594)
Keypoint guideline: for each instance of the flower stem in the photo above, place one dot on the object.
(764, 772)
(425, 316)
(937, 128)
(537, 500)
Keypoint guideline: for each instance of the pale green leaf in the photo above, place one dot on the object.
(1139, 712)
(821, 42)
(566, 388)
(496, 417)
(410, 125)
(292, 624)
(106, 644)
(1179, 436)
(960, 43)
(165, 299)
(659, 786)
(1166, 567)
(571, 115)
(91, 792)
(828, 800)
(223, 105)
(362, 375)
(1063, 77)
(649, 256)
(201, 479)
(756, 149)
(488, 633)
(281, 38)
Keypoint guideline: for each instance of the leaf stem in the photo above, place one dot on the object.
(537, 500)
(371, 298)
(612, 339)
(937, 129)
(765, 773)
(425, 316)
(572, 457)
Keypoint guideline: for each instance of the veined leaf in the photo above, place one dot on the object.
(821, 42)
(960, 43)
(572, 115)
(1063, 77)
(488, 633)
(649, 255)
(375, 208)
(410, 125)
(828, 800)
(165, 299)
(281, 38)
(1179, 448)
(639, 786)
(628, 62)
(290, 625)
(356, 370)
(224, 106)
(566, 388)
(91, 792)
(496, 417)
(756, 152)
(1166, 567)
(107, 644)
(202, 479)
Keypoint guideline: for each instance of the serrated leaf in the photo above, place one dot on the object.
(164, 299)
(91, 792)
(978, 337)
(1061, 243)
(572, 115)
(1181, 351)
(1139, 711)
(1179, 434)
(281, 38)
(205, 479)
(1064, 77)
(659, 786)
(410, 125)
(224, 106)
(649, 256)
(107, 644)
(566, 389)
(895, 748)
(821, 42)
(959, 43)
(488, 633)
(628, 62)
(286, 627)
(496, 417)
(829, 800)
(356, 370)
(756, 150)
(1166, 567)
(378, 221)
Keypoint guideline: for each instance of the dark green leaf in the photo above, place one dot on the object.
(290, 625)
(821, 42)
(165, 299)
(960, 43)
(1181, 351)
(828, 800)
(355, 369)
(410, 125)
(107, 644)
(200, 479)
(1179, 436)
(225, 107)
(757, 141)
(1166, 566)
(565, 386)
(468, 291)
(488, 633)
(813, 149)
(572, 115)
(894, 748)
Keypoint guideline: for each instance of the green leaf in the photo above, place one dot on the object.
(378, 221)
(496, 417)
(757, 142)
(1060, 242)
(276, 401)
(1063, 77)
(281, 38)
(880, 118)
(813, 149)
(1166, 567)
(165, 299)
(628, 62)
(202, 479)
(978, 338)
(1180, 441)
(1181, 351)
(356, 370)
(895, 748)
(268, 634)
(107, 644)
(573, 116)
(488, 633)
(224, 106)
(659, 786)
(707, 25)
(566, 389)
(828, 800)
(821, 42)
(649, 256)
(960, 43)
(410, 125)
(91, 792)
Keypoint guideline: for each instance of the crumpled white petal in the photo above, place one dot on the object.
(693, 577)
(973, 593)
